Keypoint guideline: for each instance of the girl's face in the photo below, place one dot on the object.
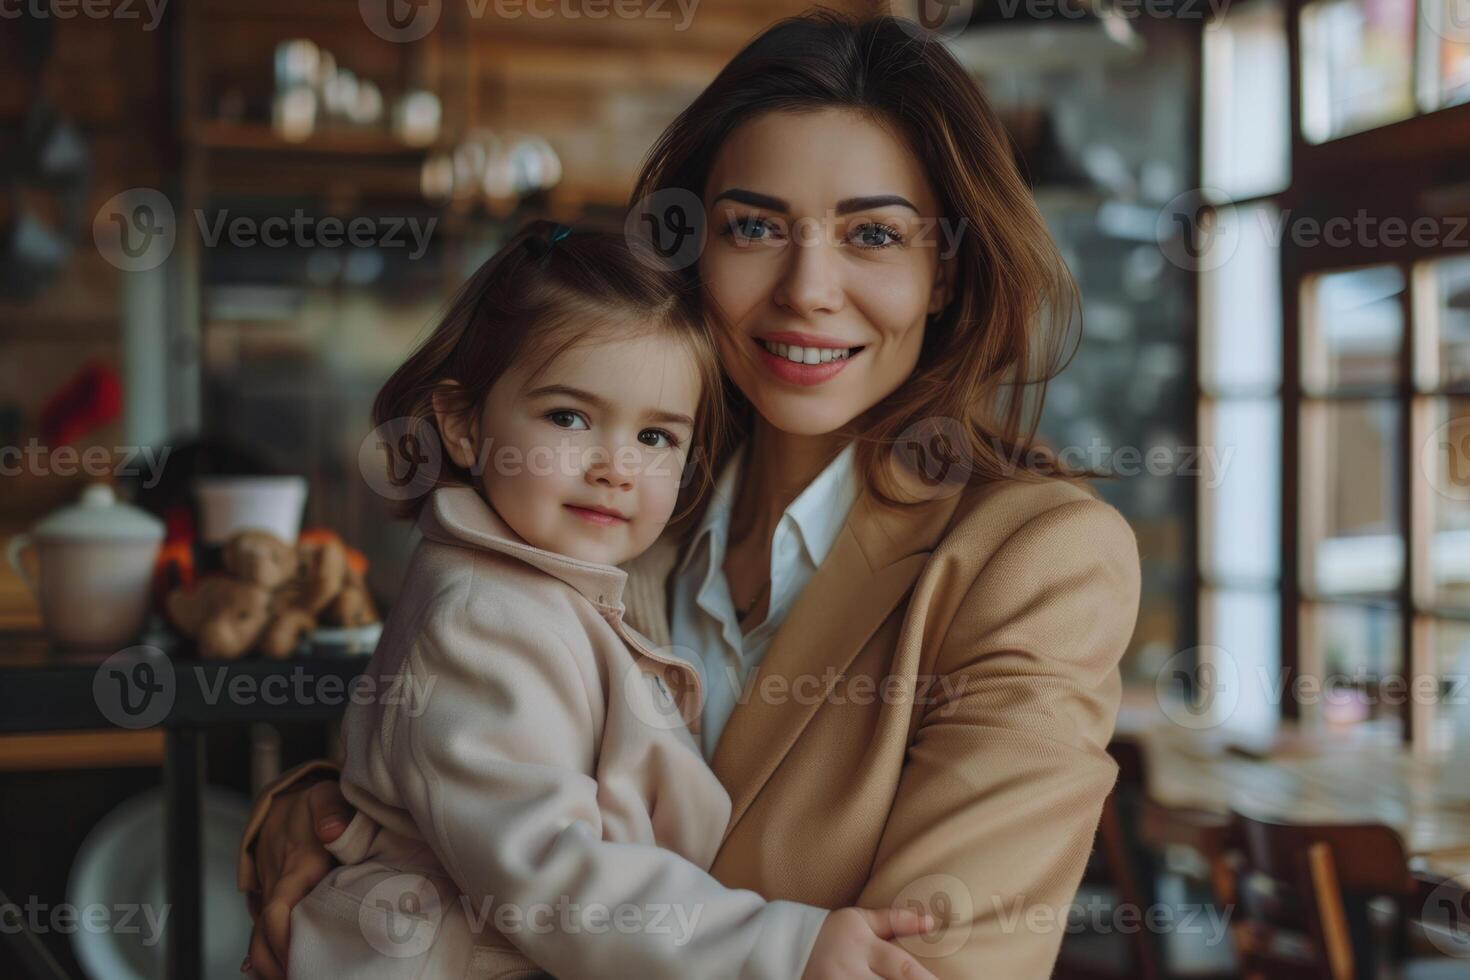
(607, 425)
(823, 233)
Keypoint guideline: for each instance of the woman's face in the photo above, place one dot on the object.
(823, 235)
(607, 424)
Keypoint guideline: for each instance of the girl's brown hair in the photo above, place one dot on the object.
(987, 357)
(545, 291)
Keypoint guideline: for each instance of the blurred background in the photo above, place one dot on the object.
(224, 223)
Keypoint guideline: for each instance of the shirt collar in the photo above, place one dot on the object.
(460, 516)
(819, 511)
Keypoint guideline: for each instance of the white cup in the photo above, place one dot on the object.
(228, 504)
(96, 565)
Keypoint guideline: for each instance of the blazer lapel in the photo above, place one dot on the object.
(875, 559)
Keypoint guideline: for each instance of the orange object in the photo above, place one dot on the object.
(356, 560)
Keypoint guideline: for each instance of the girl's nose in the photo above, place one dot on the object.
(603, 470)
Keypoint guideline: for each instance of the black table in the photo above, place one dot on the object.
(161, 685)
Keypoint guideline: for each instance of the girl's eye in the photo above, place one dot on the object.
(750, 228)
(876, 235)
(560, 413)
(673, 442)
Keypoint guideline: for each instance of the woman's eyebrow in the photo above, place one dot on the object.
(845, 206)
(850, 204)
(753, 199)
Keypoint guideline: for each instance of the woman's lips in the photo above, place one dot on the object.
(804, 374)
(595, 516)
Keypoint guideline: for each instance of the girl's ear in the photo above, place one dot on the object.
(943, 290)
(459, 428)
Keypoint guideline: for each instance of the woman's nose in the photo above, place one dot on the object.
(812, 282)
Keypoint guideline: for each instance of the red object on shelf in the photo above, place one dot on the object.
(92, 398)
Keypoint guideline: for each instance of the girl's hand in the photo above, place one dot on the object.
(289, 861)
(854, 942)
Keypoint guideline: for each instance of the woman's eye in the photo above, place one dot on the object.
(670, 441)
(554, 417)
(873, 235)
(751, 228)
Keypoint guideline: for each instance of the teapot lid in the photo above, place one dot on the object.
(99, 516)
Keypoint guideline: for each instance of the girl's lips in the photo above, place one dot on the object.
(803, 374)
(594, 516)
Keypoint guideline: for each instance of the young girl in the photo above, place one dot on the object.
(529, 794)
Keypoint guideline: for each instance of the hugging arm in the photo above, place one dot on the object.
(1006, 776)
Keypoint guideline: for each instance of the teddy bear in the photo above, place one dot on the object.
(271, 594)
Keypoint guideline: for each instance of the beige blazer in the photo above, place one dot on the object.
(520, 765)
(929, 726)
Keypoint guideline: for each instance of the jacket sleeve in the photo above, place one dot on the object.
(1007, 771)
(494, 766)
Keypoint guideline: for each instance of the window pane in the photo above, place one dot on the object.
(1240, 305)
(1445, 458)
(1242, 491)
(1247, 627)
(1247, 125)
(1446, 324)
(1357, 66)
(1452, 651)
(1355, 646)
(1353, 329)
(1450, 642)
(1352, 537)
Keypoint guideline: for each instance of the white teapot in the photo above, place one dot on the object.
(96, 562)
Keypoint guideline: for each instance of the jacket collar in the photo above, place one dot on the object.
(460, 516)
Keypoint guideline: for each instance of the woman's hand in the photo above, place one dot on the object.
(855, 942)
(289, 860)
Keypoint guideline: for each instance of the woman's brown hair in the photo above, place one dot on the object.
(546, 290)
(987, 357)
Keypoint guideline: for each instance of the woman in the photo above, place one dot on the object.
(907, 619)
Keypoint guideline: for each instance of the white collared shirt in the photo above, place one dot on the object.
(703, 624)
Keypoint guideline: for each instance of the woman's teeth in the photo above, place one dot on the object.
(809, 355)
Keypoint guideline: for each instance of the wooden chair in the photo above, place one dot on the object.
(1301, 903)
(1130, 835)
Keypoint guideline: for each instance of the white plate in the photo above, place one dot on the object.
(345, 639)
(119, 874)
